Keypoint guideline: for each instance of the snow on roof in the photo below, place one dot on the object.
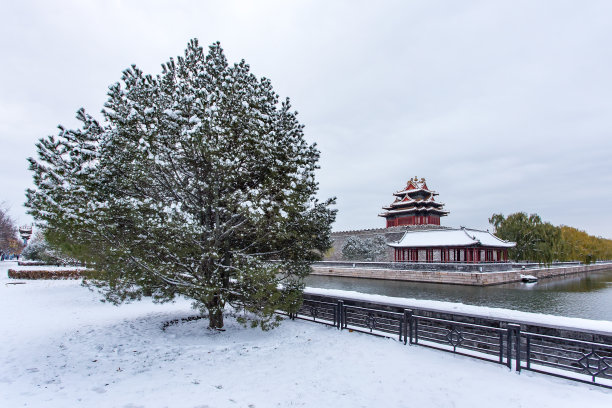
(415, 185)
(415, 202)
(450, 237)
(487, 239)
(416, 190)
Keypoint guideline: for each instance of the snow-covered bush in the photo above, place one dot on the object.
(45, 274)
(364, 249)
(39, 250)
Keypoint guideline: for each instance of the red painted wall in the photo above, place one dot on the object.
(413, 220)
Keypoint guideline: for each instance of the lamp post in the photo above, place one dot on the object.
(25, 232)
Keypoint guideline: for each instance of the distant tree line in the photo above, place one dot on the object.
(542, 242)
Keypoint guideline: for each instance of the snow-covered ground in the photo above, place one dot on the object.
(61, 347)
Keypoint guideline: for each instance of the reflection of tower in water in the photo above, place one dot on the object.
(26, 232)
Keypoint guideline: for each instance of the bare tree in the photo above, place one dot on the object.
(9, 239)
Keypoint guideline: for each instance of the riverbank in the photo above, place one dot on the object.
(454, 277)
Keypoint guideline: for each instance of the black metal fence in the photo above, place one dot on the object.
(577, 355)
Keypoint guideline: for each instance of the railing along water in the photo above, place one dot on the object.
(568, 353)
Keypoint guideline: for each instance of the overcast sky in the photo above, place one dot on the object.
(502, 106)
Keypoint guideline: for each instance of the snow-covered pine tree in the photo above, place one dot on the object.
(356, 249)
(198, 183)
(365, 249)
(379, 247)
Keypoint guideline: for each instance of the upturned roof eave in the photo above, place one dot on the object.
(416, 210)
(415, 190)
(414, 202)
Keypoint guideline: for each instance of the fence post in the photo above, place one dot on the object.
(339, 308)
(501, 347)
(515, 329)
(337, 315)
(509, 346)
(528, 352)
(407, 325)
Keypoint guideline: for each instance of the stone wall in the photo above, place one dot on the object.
(418, 266)
(453, 277)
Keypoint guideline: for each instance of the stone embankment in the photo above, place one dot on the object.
(473, 278)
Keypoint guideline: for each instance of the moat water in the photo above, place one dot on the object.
(587, 295)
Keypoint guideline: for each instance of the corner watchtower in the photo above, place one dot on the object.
(414, 205)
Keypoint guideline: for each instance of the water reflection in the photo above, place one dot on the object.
(583, 295)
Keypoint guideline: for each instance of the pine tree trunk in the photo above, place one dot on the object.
(215, 313)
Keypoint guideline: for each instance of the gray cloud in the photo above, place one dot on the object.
(502, 106)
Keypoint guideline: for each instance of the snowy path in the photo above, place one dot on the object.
(61, 347)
